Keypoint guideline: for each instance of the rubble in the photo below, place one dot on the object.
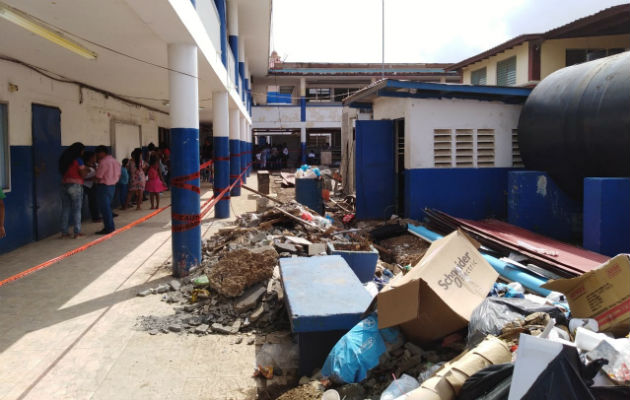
(240, 269)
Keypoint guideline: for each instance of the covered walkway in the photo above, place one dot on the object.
(67, 331)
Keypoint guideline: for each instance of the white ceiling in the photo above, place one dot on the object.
(115, 25)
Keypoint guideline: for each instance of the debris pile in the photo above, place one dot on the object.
(448, 319)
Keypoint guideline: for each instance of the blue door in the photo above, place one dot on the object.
(375, 169)
(46, 126)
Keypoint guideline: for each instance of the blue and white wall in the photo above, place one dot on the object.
(89, 118)
(472, 191)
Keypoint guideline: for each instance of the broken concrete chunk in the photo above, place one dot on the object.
(175, 284)
(285, 247)
(250, 299)
(145, 293)
(257, 313)
(316, 248)
(175, 328)
(218, 328)
(201, 329)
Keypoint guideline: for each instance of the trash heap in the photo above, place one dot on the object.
(441, 318)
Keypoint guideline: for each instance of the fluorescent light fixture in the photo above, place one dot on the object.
(25, 21)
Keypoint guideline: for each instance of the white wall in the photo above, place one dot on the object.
(89, 122)
(275, 114)
(422, 116)
(323, 114)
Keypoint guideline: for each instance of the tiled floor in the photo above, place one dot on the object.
(67, 332)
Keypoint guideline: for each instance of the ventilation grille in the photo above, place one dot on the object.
(485, 148)
(442, 148)
(517, 161)
(464, 148)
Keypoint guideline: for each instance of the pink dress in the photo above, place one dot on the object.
(154, 184)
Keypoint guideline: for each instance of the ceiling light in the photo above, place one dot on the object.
(27, 22)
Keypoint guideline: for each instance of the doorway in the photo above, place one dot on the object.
(127, 136)
(399, 138)
(46, 131)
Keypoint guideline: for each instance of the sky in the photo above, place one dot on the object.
(421, 31)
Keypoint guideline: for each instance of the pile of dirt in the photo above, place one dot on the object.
(303, 392)
(240, 269)
(354, 246)
(405, 249)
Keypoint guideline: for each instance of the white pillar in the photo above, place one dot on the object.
(303, 143)
(220, 132)
(232, 17)
(184, 112)
(235, 151)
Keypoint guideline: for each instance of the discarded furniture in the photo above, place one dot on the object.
(325, 299)
(362, 262)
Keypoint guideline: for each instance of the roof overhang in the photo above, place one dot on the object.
(422, 90)
(611, 21)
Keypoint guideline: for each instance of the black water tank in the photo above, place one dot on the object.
(576, 123)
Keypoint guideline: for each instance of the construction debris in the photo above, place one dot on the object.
(450, 317)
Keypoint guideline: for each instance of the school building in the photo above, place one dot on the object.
(125, 74)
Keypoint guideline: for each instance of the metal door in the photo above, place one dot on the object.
(375, 169)
(46, 127)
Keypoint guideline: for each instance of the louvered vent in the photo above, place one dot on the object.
(442, 148)
(465, 151)
(517, 161)
(485, 148)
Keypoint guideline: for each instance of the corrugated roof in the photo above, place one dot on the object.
(398, 88)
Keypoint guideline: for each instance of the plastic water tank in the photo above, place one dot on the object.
(576, 123)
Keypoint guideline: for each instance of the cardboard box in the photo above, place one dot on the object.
(602, 294)
(440, 293)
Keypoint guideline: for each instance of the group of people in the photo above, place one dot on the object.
(99, 175)
(272, 157)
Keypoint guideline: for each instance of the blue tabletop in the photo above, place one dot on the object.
(322, 293)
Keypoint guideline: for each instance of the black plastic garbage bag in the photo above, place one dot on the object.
(494, 312)
(564, 378)
(491, 383)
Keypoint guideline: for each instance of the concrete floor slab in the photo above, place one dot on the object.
(68, 331)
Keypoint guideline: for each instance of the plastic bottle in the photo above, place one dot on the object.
(400, 386)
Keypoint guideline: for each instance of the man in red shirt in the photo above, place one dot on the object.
(107, 175)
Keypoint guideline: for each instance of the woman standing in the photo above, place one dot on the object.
(73, 171)
(137, 168)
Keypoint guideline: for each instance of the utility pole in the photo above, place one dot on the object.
(383, 39)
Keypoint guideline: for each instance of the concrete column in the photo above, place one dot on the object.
(220, 132)
(221, 9)
(184, 111)
(303, 144)
(235, 151)
(251, 147)
(245, 155)
(248, 147)
(233, 38)
(302, 99)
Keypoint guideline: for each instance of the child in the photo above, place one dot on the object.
(123, 184)
(137, 178)
(155, 184)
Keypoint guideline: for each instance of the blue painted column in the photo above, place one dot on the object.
(233, 39)
(221, 9)
(241, 73)
(606, 227)
(220, 132)
(235, 151)
(184, 112)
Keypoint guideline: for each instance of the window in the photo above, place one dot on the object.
(517, 161)
(478, 77)
(4, 147)
(318, 94)
(442, 152)
(342, 93)
(506, 72)
(578, 56)
(286, 90)
(471, 148)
